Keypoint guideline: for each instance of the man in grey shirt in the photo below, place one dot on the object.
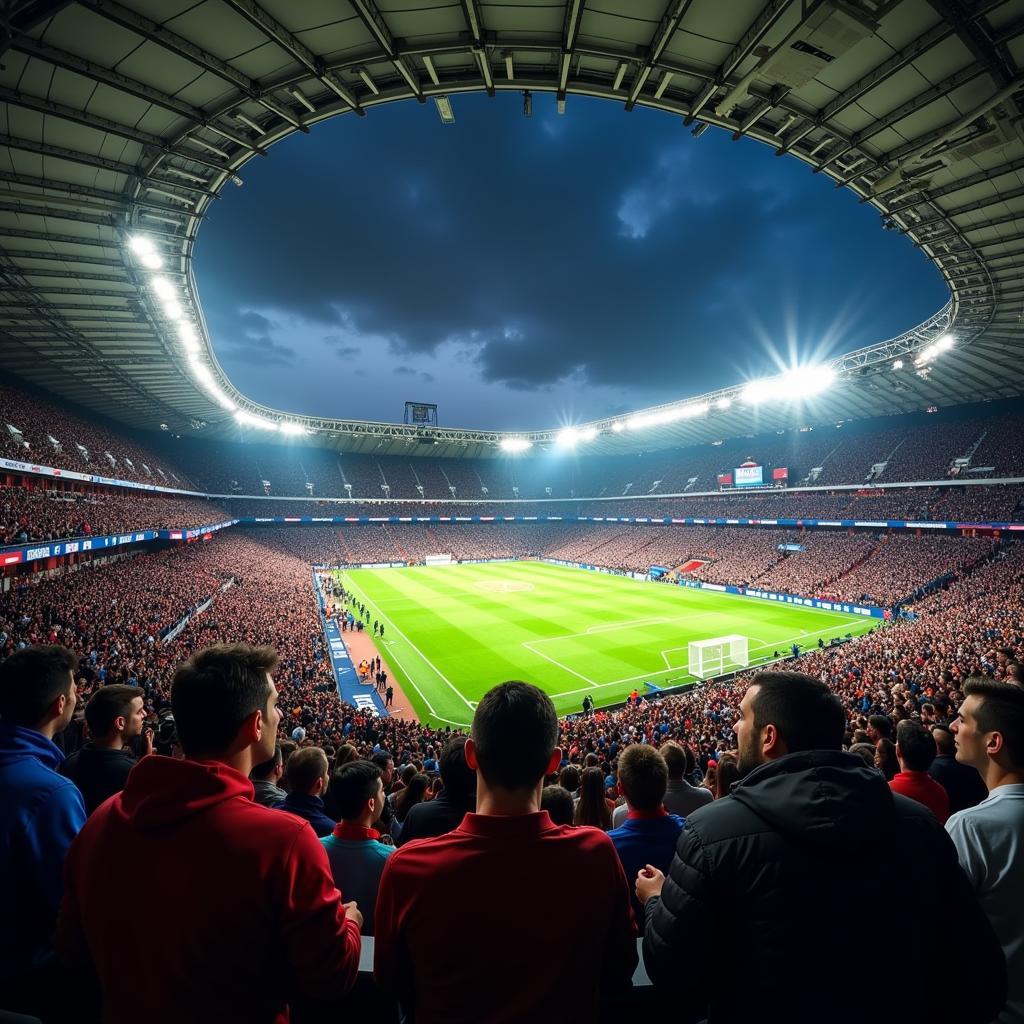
(265, 778)
(989, 838)
(681, 797)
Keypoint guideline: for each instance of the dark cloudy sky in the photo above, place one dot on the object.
(527, 272)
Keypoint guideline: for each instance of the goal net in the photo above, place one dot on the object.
(718, 655)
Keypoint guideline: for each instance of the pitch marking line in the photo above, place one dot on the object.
(558, 664)
(426, 660)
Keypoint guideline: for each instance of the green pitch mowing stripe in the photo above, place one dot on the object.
(454, 631)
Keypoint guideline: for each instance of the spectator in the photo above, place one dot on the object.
(681, 797)
(265, 778)
(220, 858)
(961, 782)
(989, 838)
(593, 808)
(915, 751)
(414, 793)
(39, 815)
(115, 715)
(886, 760)
(558, 803)
(879, 728)
(386, 763)
(649, 833)
(354, 848)
(726, 775)
(446, 811)
(809, 832)
(511, 850)
(307, 773)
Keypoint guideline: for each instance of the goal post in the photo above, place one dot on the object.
(717, 656)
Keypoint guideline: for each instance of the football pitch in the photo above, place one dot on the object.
(453, 631)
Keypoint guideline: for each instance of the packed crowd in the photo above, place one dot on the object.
(38, 514)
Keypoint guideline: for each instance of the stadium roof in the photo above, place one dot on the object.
(127, 119)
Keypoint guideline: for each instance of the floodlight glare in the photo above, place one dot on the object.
(805, 381)
(897, 364)
(163, 288)
(945, 343)
(141, 245)
(172, 309)
(248, 419)
(567, 438)
(287, 427)
(151, 260)
(618, 426)
(722, 404)
(515, 444)
(689, 412)
(588, 433)
(757, 391)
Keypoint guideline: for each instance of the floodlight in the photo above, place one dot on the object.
(897, 364)
(757, 391)
(151, 260)
(293, 429)
(944, 343)
(163, 288)
(567, 438)
(588, 433)
(618, 426)
(173, 309)
(693, 410)
(723, 403)
(515, 444)
(246, 418)
(444, 109)
(805, 381)
(141, 245)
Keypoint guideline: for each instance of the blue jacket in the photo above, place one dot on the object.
(40, 813)
(647, 839)
(311, 808)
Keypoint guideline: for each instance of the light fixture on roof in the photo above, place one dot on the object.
(757, 391)
(618, 426)
(292, 429)
(897, 364)
(163, 288)
(527, 103)
(248, 419)
(444, 109)
(723, 403)
(941, 344)
(173, 309)
(141, 245)
(805, 381)
(567, 437)
(588, 433)
(301, 97)
(694, 409)
(368, 81)
(152, 260)
(514, 445)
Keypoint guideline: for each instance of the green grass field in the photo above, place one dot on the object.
(454, 631)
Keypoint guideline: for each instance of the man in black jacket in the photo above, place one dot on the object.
(781, 871)
(962, 782)
(115, 715)
(439, 816)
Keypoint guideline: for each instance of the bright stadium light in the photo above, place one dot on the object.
(722, 404)
(515, 444)
(897, 364)
(249, 420)
(163, 288)
(151, 260)
(757, 391)
(618, 426)
(567, 438)
(173, 309)
(588, 433)
(941, 344)
(141, 245)
(805, 381)
(695, 409)
(292, 429)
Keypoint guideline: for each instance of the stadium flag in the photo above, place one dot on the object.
(782, 473)
(725, 479)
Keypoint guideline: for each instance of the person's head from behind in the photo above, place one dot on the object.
(270, 770)
(115, 713)
(225, 704)
(386, 763)
(358, 792)
(643, 777)
(513, 741)
(886, 760)
(345, 753)
(558, 802)
(727, 773)
(784, 713)
(915, 747)
(879, 728)
(308, 771)
(865, 751)
(37, 689)
(458, 778)
(569, 779)
(989, 729)
(676, 761)
(944, 743)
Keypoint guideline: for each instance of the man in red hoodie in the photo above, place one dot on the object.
(247, 912)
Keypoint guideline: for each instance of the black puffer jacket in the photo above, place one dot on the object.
(813, 893)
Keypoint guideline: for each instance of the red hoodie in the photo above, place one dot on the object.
(193, 903)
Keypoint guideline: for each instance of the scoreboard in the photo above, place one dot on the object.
(749, 476)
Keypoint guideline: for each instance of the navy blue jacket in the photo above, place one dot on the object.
(311, 808)
(645, 838)
(40, 813)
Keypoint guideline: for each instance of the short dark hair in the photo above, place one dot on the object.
(1001, 710)
(882, 724)
(675, 759)
(806, 713)
(515, 730)
(558, 802)
(263, 770)
(305, 766)
(352, 785)
(916, 744)
(944, 742)
(381, 758)
(107, 704)
(643, 776)
(458, 778)
(31, 680)
(215, 691)
(569, 778)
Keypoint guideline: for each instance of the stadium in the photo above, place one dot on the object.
(739, 668)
